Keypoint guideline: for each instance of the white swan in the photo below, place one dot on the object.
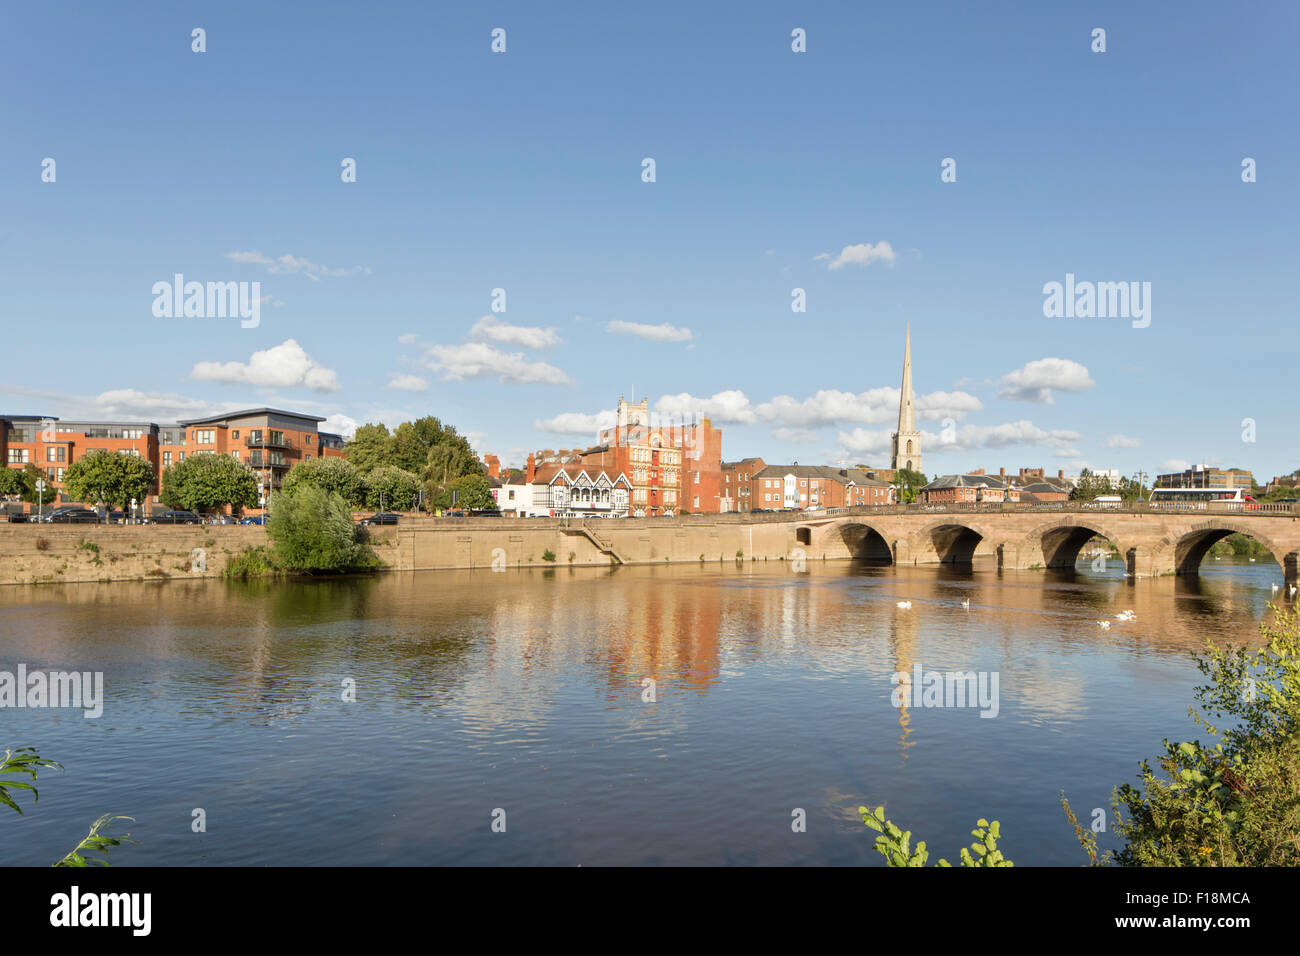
(966, 604)
(905, 605)
(1104, 625)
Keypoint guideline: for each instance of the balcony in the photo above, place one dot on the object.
(256, 460)
(267, 440)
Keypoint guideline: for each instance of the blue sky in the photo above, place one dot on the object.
(523, 171)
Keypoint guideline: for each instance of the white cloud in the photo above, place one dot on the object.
(1036, 381)
(530, 337)
(1123, 441)
(407, 338)
(866, 442)
(797, 436)
(576, 423)
(339, 424)
(406, 383)
(1175, 464)
(862, 254)
(728, 406)
(289, 264)
(971, 437)
(658, 333)
(281, 366)
(833, 407)
(152, 406)
(459, 363)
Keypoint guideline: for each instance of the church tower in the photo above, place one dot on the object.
(906, 446)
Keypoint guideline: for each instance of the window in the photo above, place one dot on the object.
(205, 436)
(182, 456)
(56, 454)
(60, 478)
(235, 433)
(306, 457)
(17, 456)
(131, 452)
(697, 501)
(235, 455)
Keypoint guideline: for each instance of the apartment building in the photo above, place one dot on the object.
(973, 488)
(269, 440)
(1203, 476)
(781, 487)
(736, 477)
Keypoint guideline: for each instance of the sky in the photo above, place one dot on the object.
(773, 171)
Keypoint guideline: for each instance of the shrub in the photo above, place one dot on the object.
(1236, 803)
(895, 845)
(249, 563)
(312, 531)
(548, 555)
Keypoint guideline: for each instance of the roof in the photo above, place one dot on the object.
(248, 412)
(965, 481)
(743, 461)
(1043, 488)
(857, 476)
(547, 474)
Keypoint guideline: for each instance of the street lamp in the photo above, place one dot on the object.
(1141, 480)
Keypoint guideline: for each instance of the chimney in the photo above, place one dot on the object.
(1060, 473)
(1002, 472)
(493, 464)
(530, 469)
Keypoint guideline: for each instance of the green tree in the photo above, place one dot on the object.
(471, 491)
(391, 489)
(30, 476)
(338, 475)
(108, 478)
(312, 531)
(206, 481)
(11, 483)
(1234, 803)
(1089, 486)
(908, 484)
(370, 447)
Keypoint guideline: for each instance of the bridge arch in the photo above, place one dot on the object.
(950, 541)
(865, 543)
(1060, 541)
(1190, 545)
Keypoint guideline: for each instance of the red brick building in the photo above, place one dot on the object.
(269, 440)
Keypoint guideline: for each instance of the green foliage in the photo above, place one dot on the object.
(27, 760)
(908, 484)
(108, 478)
(96, 841)
(1236, 803)
(472, 492)
(1241, 546)
(23, 760)
(391, 489)
(548, 555)
(338, 475)
(895, 845)
(11, 483)
(312, 531)
(29, 476)
(250, 563)
(206, 481)
(370, 447)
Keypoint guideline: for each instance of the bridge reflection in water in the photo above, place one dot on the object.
(526, 689)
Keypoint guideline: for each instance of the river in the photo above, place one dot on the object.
(527, 692)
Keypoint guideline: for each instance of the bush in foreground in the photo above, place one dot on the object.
(312, 531)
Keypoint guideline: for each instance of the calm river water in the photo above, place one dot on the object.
(523, 691)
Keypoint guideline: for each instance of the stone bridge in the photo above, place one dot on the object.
(1150, 542)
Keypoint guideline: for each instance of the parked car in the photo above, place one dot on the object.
(73, 516)
(253, 519)
(174, 516)
(381, 517)
(485, 513)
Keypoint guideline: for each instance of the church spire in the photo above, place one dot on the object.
(906, 442)
(906, 422)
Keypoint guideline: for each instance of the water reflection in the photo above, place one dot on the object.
(475, 689)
